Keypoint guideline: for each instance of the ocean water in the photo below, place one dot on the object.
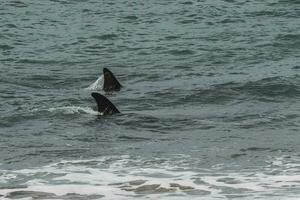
(209, 109)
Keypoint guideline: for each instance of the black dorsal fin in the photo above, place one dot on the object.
(104, 105)
(110, 81)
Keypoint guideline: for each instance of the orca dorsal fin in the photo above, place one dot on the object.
(110, 81)
(104, 105)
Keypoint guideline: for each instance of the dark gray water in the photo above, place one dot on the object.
(210, 107)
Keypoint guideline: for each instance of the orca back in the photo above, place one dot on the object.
(104, 105)
(110, 81)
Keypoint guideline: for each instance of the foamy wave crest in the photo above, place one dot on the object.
(127, 178)
(74, 110)
(97, 85)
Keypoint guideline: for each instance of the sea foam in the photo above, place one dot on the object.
(125, 177)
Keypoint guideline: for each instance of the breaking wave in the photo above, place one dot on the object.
(122, 177)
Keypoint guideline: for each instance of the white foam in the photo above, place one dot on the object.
(74, 110)
(124, 177)
(97, 85)
(5, 177)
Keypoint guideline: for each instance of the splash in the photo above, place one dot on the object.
(97, 85)
(74, 110)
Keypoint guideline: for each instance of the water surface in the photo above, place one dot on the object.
(210, 104)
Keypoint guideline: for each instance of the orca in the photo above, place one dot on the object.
(110, 81)
(105, 106)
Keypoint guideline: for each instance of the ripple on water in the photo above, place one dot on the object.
(105, 36)
(17, 4)
(181, 52)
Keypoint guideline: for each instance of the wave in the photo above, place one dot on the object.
(123, 177)
(272, 87)
(267, 89)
